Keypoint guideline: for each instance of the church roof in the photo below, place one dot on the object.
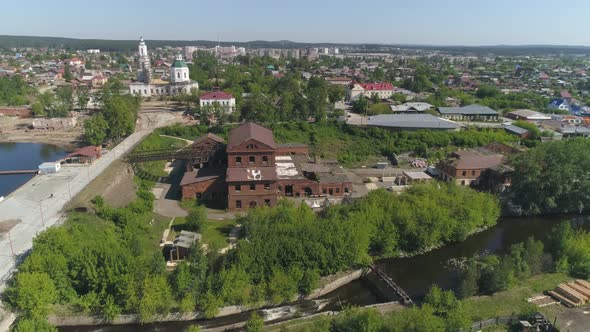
(178, 64)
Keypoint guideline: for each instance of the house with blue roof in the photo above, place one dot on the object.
(559, 104)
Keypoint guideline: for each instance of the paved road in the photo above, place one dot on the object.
(38, 204)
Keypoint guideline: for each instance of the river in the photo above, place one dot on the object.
(414, 274)
(15, 156)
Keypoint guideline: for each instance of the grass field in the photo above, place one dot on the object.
(512, 301)
(215, 232)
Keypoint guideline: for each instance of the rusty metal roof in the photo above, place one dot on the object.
(251, 130)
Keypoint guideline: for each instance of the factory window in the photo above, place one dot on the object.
(473, 173)
(264, 160)
(267, 202)
(252, 187)
(252, 159)
(238, 187)
(267, 186)
(238, 160)
(464, 173)
(238, 204)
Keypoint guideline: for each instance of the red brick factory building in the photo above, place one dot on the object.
(252, 170)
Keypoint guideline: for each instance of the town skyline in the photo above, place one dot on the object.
(429, 23)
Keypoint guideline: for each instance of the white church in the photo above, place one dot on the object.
(146, 86)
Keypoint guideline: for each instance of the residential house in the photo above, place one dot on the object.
(559, 104)
(224, 100)
(412, 107)
(356, 90)
(472, 112)
(518, 131)
(527, 115)
(466, 166)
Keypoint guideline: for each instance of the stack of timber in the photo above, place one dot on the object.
(572, 294)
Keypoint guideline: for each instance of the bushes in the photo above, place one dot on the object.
(351, 144)
(553, 177)
(492, 273)
(571, 249)
(196, 217)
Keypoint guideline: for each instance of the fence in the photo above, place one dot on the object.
(478, 326)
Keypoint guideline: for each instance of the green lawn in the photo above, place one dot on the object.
(512, 301)
(215, 232)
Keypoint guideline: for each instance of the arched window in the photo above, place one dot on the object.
(184, 74)
(178, 75)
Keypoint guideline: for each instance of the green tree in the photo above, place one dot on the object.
(83, 97)
(553, 177)
(68, 76)
(487, 91)
(379, 108)
(95, 130)
(196, 217)
(37, 109)
(255, 323)
(317, 97)
(281, 288)
(109, 309)
(34, 292)
(155, 297)
(335, 93)
(354, 320)
(469, 278)
(34, 324)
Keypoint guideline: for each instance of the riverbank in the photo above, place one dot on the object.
(328, 284)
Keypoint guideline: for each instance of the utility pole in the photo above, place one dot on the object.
(69, 190)
(10, 241)
(41, 213)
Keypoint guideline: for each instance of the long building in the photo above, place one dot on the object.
(252, 170)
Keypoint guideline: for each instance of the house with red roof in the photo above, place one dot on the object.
(220, 99)
(85, 155)
(356, 90)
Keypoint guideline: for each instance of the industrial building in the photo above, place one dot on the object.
(252, 170)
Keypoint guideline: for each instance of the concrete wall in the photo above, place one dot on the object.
(135, 319)
(335, 284)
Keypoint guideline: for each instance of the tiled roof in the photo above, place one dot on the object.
(382, 86)
(216, 95)
(251, 130)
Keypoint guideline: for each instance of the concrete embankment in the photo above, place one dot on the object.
(336, 283)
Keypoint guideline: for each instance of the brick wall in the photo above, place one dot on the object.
(209, 189)
(258, 159)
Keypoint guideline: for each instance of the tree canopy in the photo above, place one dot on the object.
(553, 177)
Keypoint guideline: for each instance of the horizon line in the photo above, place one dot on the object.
(300, 42)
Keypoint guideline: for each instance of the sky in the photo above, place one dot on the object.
(426, 22)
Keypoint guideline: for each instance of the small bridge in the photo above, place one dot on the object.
(198, 154)
(405, 298)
